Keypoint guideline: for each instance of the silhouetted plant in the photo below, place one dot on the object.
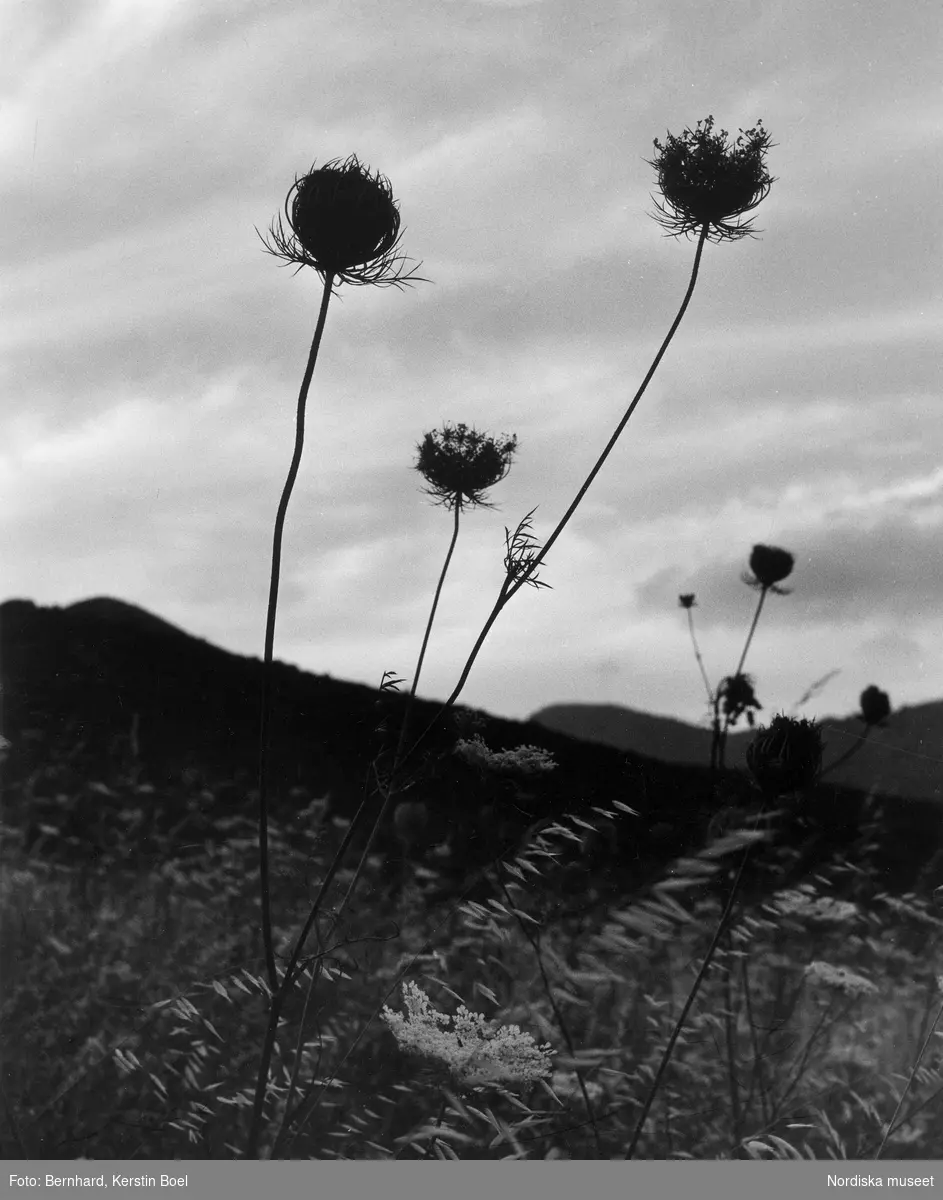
(875, 707)
(705, 184)
(344, 223)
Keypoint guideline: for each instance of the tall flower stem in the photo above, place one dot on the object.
(719, 745)
(511, 585)
(700, 660)
(722, 926)
(266, 705)
(429, 623)
(389, 790)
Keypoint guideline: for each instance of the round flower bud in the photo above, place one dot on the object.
(770, 565)
(875, 705)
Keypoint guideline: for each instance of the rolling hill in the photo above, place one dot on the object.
(903, 759)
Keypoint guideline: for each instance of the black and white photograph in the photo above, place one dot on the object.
(471, 581)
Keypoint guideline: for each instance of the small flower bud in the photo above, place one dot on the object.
(875, 706)
(686, 600)
(786, 756)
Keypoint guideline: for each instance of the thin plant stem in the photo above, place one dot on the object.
(457, 503)
(913, 1074)
(697, 655)
(843, 758)
(722, 925)
(266, 702)
(266, 706)
(756, 617)
(534, 939)
(512, 585)
(730, 1030)
(720, 735)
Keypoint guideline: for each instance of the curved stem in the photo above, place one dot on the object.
(756, 617)
(700, 660)
(913, 1073)
(843, 758)
(266, 703)
(692, 996)
(722, 740)
(429, 623)
(511, 586)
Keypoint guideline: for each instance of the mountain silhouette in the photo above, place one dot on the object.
(102, 691)
(905, 758)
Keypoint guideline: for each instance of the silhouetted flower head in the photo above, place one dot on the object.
(686, 600)
(739, 698)
(769, 565)
(786, 756)
(460, 464)
(344, 222)
(706, 180)
(875, 706)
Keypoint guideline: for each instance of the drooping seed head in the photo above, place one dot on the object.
(343, 221)
(707, 181)
(787, 756)
(460, 464)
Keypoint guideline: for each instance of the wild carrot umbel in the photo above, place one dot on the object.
(459, 464)
(344, 223)
(706, 184)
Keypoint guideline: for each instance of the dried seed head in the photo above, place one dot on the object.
(707, 181)
(875, 706)
(460, 464)
(739, 697)
(344, 222)
(786, 756)
(769, 566)
(686, 600)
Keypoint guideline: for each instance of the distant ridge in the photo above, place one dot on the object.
(903, 759)
(101, 692)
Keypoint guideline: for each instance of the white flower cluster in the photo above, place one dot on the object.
(839, 978)
(808, 906)
(475, 1053)
(522, 760)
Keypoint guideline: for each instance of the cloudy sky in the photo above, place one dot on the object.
(151, 353)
